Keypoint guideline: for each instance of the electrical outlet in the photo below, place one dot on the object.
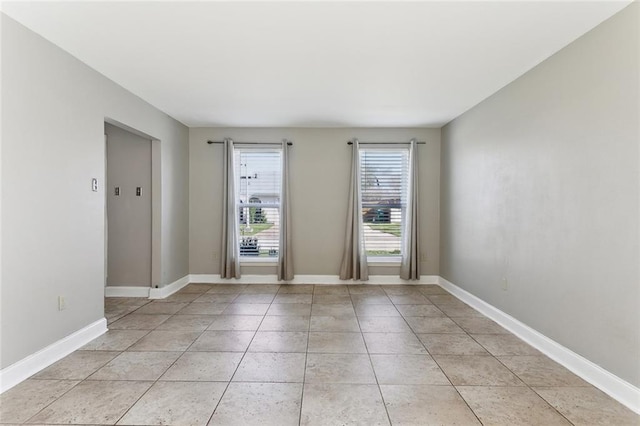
(62, 303)
(423, 257)
(214, 255)
(505, 284)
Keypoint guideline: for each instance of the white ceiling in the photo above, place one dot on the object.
(319, 64)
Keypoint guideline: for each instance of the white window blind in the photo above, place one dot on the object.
(258, 174)
(384, 178)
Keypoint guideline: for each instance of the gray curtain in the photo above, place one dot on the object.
(229, 261)
(285, 257)
(410, 266)
(354, 259)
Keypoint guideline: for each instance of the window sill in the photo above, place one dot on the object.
(270, 261)
(384, 261)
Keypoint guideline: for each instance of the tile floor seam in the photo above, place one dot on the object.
(26, 421)
(526, 385)
(444, 372)
(162, 374)
(531, 387)
(384, 404)
(159, 377)
(510, 386)
(137, 308)
(456, 389)
(544, 399)
(136, 401)
(141, 337)
(237, 366)
(306, 357)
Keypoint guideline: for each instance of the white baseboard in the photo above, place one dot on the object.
(309, 279)
(26, 367)
(609, 383)
(168, 290)
(126, 291)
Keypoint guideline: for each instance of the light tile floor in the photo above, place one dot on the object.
(306, 355)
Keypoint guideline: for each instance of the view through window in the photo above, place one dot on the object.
(384, 179)
(258, 174)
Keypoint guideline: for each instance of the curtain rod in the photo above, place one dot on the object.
(251, 143)
(385, 143)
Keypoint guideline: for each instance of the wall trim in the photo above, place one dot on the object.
(310, 279)
(28, 366)
(169, 289)
(129, 291)
(617, 388)
(614, 386)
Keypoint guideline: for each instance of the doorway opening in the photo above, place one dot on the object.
(132, 211)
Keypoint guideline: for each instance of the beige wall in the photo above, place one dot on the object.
(53, 113)
(319, 173)
(540, 185)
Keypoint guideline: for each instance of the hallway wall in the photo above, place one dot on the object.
(53, 113)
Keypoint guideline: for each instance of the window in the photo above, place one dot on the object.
(384, 185)
(258, 182)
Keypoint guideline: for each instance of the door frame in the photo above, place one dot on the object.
(156, 203)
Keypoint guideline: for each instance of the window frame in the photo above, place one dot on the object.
(246, 259)
(384, 260)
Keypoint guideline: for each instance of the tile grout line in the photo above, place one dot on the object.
(527, 385)
(384, 404)
(167, 369)
(243, 354)
(436, 362)
(306, 357)
(468, 334)
(456, 389)
(70, 380)
(26, 421)
(82, 380)
(446, 375)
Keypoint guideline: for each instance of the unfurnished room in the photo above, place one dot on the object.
(320, 213)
